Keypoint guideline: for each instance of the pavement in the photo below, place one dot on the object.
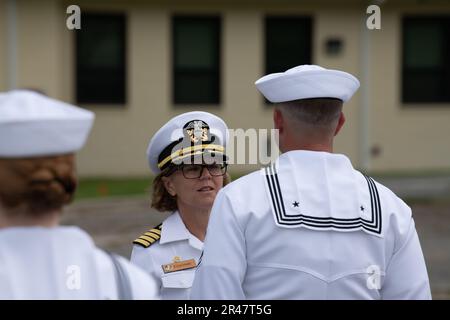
(114, 222)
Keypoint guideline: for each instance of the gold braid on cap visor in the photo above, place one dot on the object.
(190, 151)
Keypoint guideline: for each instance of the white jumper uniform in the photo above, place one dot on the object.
(310, 227)
(62, 263)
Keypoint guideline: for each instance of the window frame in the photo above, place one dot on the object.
(217, 72)
(307, 19)
(123, 70)
(442, 99)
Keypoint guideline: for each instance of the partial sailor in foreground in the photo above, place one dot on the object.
(38, 258)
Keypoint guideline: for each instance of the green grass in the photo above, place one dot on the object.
(410, 173)
(140, 186)
(112, 187)
(431, 173)
(436, 201)
(89, 188)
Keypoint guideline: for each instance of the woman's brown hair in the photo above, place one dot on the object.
(162, 200)
(37, 185)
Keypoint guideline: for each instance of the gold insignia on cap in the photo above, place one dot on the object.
(197, 130)
(187, 152)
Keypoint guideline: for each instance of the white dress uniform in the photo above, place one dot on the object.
(313, 229)
(175, 244)
(310, 226)
(169, 252)
(63, 263)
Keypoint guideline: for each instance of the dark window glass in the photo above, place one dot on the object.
(100, 59)
(425, 63)
(288, 42)
(196, 60)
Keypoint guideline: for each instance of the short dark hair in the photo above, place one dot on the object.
(316, 111)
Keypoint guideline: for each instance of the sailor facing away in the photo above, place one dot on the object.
(188, 156)
(310, 226)
(38, 258)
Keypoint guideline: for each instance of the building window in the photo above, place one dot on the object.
(287, 42)
(426, 65)
(196, 59)
(100, 59)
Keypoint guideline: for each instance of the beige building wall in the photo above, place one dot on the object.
(342, 23)
(242, 106)
(3, 46)
(120, 136)
(413, 136)
(409, 138)
(38, 56)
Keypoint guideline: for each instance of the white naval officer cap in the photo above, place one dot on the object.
(188, 135)
(306, 82)
(33, 125)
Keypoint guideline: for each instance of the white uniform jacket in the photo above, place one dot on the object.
(63, 263)
(175, 244)
(310, 227)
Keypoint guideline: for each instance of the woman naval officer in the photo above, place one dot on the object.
(38, 258)
(188, 156)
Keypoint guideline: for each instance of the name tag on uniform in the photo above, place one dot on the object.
(178, 266)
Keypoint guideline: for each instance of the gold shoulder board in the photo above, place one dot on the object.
(149, 237)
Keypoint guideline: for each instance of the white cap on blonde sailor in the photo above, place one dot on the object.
(33, 125)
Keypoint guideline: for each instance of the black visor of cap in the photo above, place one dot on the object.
(199, 156)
